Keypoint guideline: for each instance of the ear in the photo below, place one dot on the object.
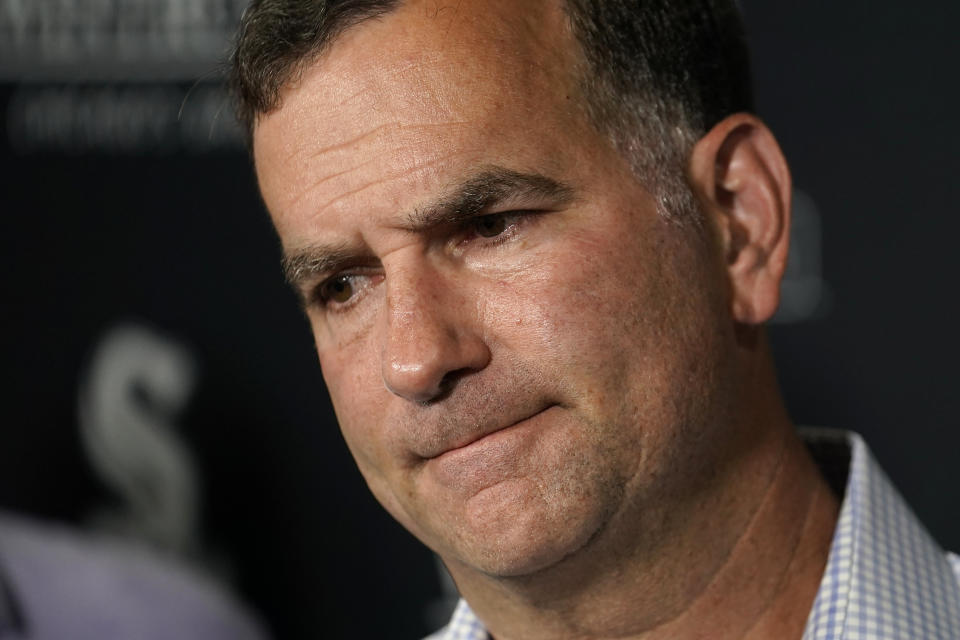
(744, 184)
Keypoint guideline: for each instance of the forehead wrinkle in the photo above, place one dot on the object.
(394, 176)
(372, 90)
(311, 187)
(339, 145)
(388, 125)
(370, 82)
(342, 147)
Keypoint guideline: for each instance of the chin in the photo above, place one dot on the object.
(516, 539)
(526, 560)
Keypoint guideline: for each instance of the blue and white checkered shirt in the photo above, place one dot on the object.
(886, 578)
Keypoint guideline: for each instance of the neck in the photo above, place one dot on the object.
(744, 561)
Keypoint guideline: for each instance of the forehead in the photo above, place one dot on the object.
(401, 94)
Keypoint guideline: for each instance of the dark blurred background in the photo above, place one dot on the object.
(146, 319)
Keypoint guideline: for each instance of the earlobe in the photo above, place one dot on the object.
(744, 183)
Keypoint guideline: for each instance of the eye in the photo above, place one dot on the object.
(339, 289)
(342, 291)
(490, 226)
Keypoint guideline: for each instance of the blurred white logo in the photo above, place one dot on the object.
(130, 398)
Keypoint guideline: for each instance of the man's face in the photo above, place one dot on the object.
(522, 354)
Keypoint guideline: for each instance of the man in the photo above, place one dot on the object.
(537, 243)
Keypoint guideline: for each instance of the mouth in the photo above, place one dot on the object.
(477, 439)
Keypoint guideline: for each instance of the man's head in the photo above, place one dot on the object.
(527, 360)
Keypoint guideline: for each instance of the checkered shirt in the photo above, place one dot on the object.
(886, 578)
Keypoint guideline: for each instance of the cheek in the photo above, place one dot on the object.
(361, 404)
(576, 303)
(618, 318)
(352, 377)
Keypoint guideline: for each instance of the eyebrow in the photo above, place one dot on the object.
(492, 185)
(305, 264)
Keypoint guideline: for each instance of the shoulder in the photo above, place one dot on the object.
(65, 584)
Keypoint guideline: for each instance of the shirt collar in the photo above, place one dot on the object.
(886, 579)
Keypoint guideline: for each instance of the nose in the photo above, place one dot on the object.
(432, 335)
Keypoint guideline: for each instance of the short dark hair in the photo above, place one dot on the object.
(277, 39)
(658, 74)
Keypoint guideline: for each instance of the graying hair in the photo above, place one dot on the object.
(656, 74)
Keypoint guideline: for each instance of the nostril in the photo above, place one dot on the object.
(449, 381)
(427, 348)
